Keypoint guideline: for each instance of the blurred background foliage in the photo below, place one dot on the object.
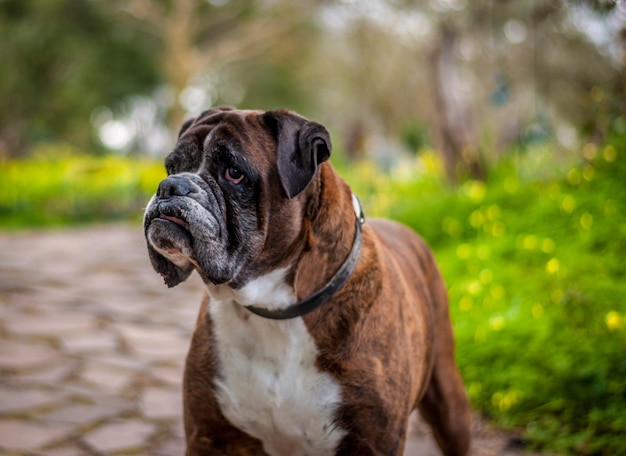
(472, 79)
(497, 129)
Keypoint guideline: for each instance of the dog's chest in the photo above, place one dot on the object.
(268, 384)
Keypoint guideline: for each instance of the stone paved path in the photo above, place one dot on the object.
(92, 346)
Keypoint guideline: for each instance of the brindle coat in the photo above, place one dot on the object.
(385, 336)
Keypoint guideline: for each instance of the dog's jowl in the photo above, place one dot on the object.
(319, 332)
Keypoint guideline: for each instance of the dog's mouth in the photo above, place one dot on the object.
(168, 230)
(169, 215)
(176, 220)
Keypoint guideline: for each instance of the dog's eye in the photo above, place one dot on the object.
(234, 175)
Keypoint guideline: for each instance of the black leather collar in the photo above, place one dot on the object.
(334, 284)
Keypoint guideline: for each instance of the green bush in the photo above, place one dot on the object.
(536, 273)
(58, 187)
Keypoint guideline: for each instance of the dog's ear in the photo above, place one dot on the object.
(302, 146)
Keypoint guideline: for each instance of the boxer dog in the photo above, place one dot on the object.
(318, 333)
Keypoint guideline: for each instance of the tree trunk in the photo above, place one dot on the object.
(456, 128)
(180, 60)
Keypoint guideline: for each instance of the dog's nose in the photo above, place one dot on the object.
(174, 186)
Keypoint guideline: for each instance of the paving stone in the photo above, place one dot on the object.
(174, 446)
(18, 356)
(119, 360)
(12, 401)
(171, 352)
(146, 333)
(106, 378)
(170, 375)
(81, 414)
(50, 375)
(9, 308)
(184, 315)
(92, 395)
(161, 403)
(116, 308)
(420, 441)
(18, 435)
(57, 295)
(15, 307)
(121, 435)
(66, 450)
(82, 391)
(66, 301)
(51, 324)
(178, 430)
(154, 342)
(89, 342)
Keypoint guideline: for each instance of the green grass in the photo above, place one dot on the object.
(534, 259)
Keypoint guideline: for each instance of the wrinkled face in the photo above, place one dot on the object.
(232, 177)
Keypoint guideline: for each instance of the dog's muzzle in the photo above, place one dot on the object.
(184, 228)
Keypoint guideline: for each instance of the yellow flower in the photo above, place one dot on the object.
(552, 267)
(573, 176)
(474, 389)
(452, 226)
(465, 304)
(614, 320)
(497, 322)
(547, 245)
(511, 185)
(589, 173)
(476, 191)
(497, 292)
(529, 242)
(474, 288)
(497, 229)
(463, 251)
(504, 401)
(477, 218)
(590, 151)
(485, 276)
(493, 212)
(568, 204)
(586, 220)
(557, 296)
(537, 310)
(610, 153)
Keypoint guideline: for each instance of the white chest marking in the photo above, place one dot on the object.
(269, 385)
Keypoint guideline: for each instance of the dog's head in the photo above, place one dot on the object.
(234, 199)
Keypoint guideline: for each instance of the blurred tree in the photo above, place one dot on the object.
(455, 121)
(477, 76)
(60, 60)
(481, 76)
(220, 46)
